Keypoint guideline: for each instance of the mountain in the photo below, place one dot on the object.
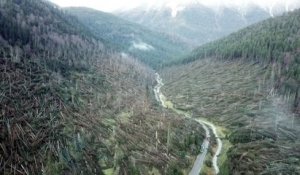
(272, 42)
(153, 48)
(71, 104)
(76, 98)
(197, 23)
(248, 84)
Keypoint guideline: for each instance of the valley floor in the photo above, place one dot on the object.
(209, 128)
(240, 97)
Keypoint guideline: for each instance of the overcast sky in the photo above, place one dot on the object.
(111, 5)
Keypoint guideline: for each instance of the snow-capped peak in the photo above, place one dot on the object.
(273, 7)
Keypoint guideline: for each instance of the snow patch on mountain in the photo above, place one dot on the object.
(273, 7)
(175, 8)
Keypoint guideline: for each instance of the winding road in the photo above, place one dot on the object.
(207, 126)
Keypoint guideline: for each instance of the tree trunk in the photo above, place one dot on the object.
(297, 101)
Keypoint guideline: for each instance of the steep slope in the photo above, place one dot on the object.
(151, 47)
(248, 83)
(69, 105)
(40, 47)
(195, 23)
(274, 42)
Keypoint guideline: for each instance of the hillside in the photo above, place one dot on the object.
(274, 42)
(153, 48)
(193, 22)
(77, 93)
(71, 105)
(247, 83)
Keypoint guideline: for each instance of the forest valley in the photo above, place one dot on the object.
(73, 102)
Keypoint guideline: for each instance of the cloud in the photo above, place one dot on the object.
(141, 46)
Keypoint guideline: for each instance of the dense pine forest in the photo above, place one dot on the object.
(151, 47)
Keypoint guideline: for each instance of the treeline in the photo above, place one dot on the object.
(274, 43)
(265, 42)
(37, 28)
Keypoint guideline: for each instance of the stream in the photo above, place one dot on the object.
(207, 126)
